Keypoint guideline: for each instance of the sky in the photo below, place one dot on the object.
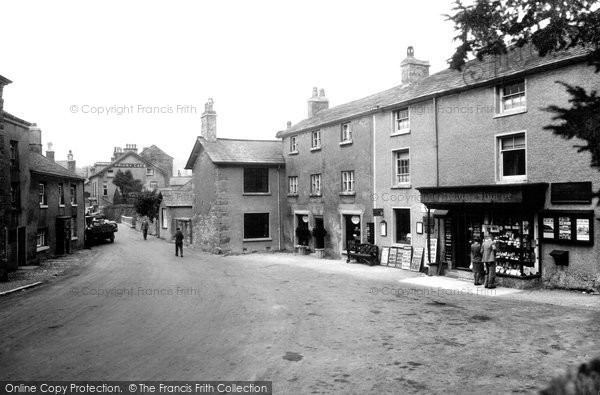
(99, 74)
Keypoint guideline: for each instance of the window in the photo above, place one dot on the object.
(165, 219)
(42, 239)
(316, 139)
(511, 97)
(153, 185)
(294, 144)
(110, 173)
(61, 195)
(315, 184)
(42, 194)
(15, 195)
(293, 185)
(149, 171)
(512, 157)
(95, 189)
(401, 121)
(348, 181)
(256, 226)
(401, 167)
(256, 180)
(74, 227)
(346, 133)
(14, 153)
(73, 194)
(104, 188)
(402, 225)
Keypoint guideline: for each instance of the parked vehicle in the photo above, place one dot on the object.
(98, 228)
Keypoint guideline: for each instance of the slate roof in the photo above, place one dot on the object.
(177, 181)
(233, 151)
(38, 163)
(154, 148)
(475, 73)
(126, 154)
(177, 198)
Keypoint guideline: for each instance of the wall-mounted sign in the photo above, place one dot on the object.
(129, 165)
(567, 227)
(377, 212)
(571, 192)
(355, 219)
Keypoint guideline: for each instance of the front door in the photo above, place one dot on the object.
(63, 236)
(21, 247)
(351, 229)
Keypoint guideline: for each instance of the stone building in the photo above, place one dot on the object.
(4, 185)
(176, 210)
(237, 189)
(329, 173)
(153, 167)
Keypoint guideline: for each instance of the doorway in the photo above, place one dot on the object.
(301, 231)
(21, 247)
(352, 228)
(319, 233)
(63, 235)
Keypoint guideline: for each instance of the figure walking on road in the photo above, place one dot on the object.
(145, 228)
(478, 270)
(178, 242)
(488, 251)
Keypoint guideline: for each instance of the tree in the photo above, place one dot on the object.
(147, 203)
(491, 27)
(126, 183)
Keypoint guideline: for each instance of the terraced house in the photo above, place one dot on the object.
(445, 158)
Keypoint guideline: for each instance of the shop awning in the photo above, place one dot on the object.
(527, 195)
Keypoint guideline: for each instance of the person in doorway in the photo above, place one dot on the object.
(488, 252)
(478, 271)
(178, 242)
(145, 228)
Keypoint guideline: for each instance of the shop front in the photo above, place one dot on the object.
(507, 213)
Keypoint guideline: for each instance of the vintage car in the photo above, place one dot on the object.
(98, 228)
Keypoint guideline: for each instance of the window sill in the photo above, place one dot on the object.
(43, 206)
(508, 180)
(343, 143)
(315, 195)
(510, 112)
(293, 153)
(261, 239)
(353, 193)
(74, 238)
(400, 132)
(61, 205)
(256, 194)
(73, 205)
(43, 248)
(315, 149)
(292, 195)
(402, 186)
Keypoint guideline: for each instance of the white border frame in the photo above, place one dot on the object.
(404, 184)
(497, 164)
(392, 235)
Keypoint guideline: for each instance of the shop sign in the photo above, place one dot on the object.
(377, 212)
(129, 165)
(571, 192)
(472, 197)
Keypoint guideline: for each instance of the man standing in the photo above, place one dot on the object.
(488, 252)
(478, 270)
(178, 242)
(145, 228)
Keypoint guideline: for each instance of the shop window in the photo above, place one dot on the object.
(256, 226)
(511, 97)
(43, 198)
(401, 121)
(401, 167)
(346, 133)
(316, 139)
(315, 185)
(256, 180)
(512, 157)
(104, 188)
(402, 225)
(61, 195)
(73, 194)
(293, 185)
(348, 181)
(293, 144)
(14, 154)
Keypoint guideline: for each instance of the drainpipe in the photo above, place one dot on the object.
(437, 150)
(279, 205)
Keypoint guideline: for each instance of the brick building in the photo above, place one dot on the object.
(237, 185)
(153, 167)
(329, 170)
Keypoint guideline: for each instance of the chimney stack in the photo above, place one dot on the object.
(209, 122)
(71, 162)
(130, 148)
(289, 125)
(317, 103)
(35, 139)
(50, 152)
(117, 153)
(412, 68)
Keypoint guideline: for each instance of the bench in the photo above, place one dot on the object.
(366, 253)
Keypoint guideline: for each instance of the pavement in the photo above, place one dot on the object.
(134, 311)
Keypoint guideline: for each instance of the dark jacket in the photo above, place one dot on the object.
(179, 237)
(476, 252)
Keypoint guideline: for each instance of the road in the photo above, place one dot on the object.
(137, 312)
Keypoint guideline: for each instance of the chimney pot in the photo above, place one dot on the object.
(315, 92)
(50, 152)
(413, 69)
(317, 103)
